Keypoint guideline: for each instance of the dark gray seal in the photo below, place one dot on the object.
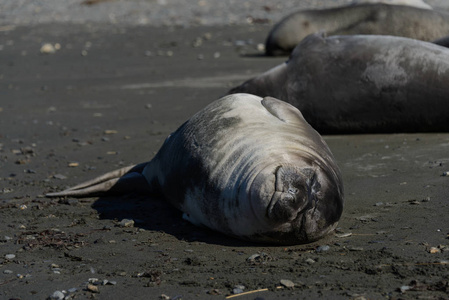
(362, 84)
(248, 167)
(377, 19)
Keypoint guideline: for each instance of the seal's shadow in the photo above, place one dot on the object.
(155, 214)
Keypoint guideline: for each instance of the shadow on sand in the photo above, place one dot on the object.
(155, 214)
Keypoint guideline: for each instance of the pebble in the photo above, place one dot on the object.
(434, 250)
(287, 283)
(446, 173)
(343, 235)
(322, 248)
(253, 257)
(127, 223)
(310, 261)
(92, 288)
(356, 249)
(48, 49)
(238, 289)
(72, 290)
(404, 288)
(7, 272)
(57, 295)
(10, 256)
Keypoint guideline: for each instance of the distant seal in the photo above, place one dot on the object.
(414, 3)
(362, 84)
(248, 167)
(377, 19)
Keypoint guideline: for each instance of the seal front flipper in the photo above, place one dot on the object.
(125, 180)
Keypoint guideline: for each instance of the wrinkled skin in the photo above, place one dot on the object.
(362, 84)
(376, 19)
(248, 167)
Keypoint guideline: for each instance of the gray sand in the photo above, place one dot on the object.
(109, 97)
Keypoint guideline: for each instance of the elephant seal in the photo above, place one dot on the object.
(377, 19)
(248, 167)
(362, 84)
(414, 3)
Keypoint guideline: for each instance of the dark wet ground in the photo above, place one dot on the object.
(108, 98)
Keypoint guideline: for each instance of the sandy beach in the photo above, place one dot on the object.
(116, 84)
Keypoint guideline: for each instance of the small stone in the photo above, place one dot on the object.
(110, 131)
(48, 49)
(57, 295)
(72, 290)
(164, 297)
(260, 47)
(237, 291)
(59, 176)
(344, 235)
(253, 257)
(322, 248)
(92, 288)
(10, 256)
(434, 250)
(287, 283)
(127, 223)
(7, 272)
(112, 282)
(446, 173)
(356, 249)
(404, 288)
(310, 261)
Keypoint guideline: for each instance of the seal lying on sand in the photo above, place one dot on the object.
(249, 167)
(385, 19)
(414, 3)
(362, 84)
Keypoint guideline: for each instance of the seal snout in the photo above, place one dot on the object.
(294, 192)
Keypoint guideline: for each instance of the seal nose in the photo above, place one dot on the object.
(295, 190)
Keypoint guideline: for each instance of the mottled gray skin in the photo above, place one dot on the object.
(248, 167)
(377, 19)
(362, 84)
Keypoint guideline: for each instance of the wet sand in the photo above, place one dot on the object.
(108, 98)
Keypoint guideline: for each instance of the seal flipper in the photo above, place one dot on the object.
(283, 110)
(125, 180)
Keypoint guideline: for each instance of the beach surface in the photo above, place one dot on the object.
(116, 79)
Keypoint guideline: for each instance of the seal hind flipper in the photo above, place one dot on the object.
(121, 181)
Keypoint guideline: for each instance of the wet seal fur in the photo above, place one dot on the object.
(377, 19)
(248, 167)
(362, 84)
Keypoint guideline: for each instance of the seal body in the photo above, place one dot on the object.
(248, 167)
(362, 84)
(377, 19)
(414, 3)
